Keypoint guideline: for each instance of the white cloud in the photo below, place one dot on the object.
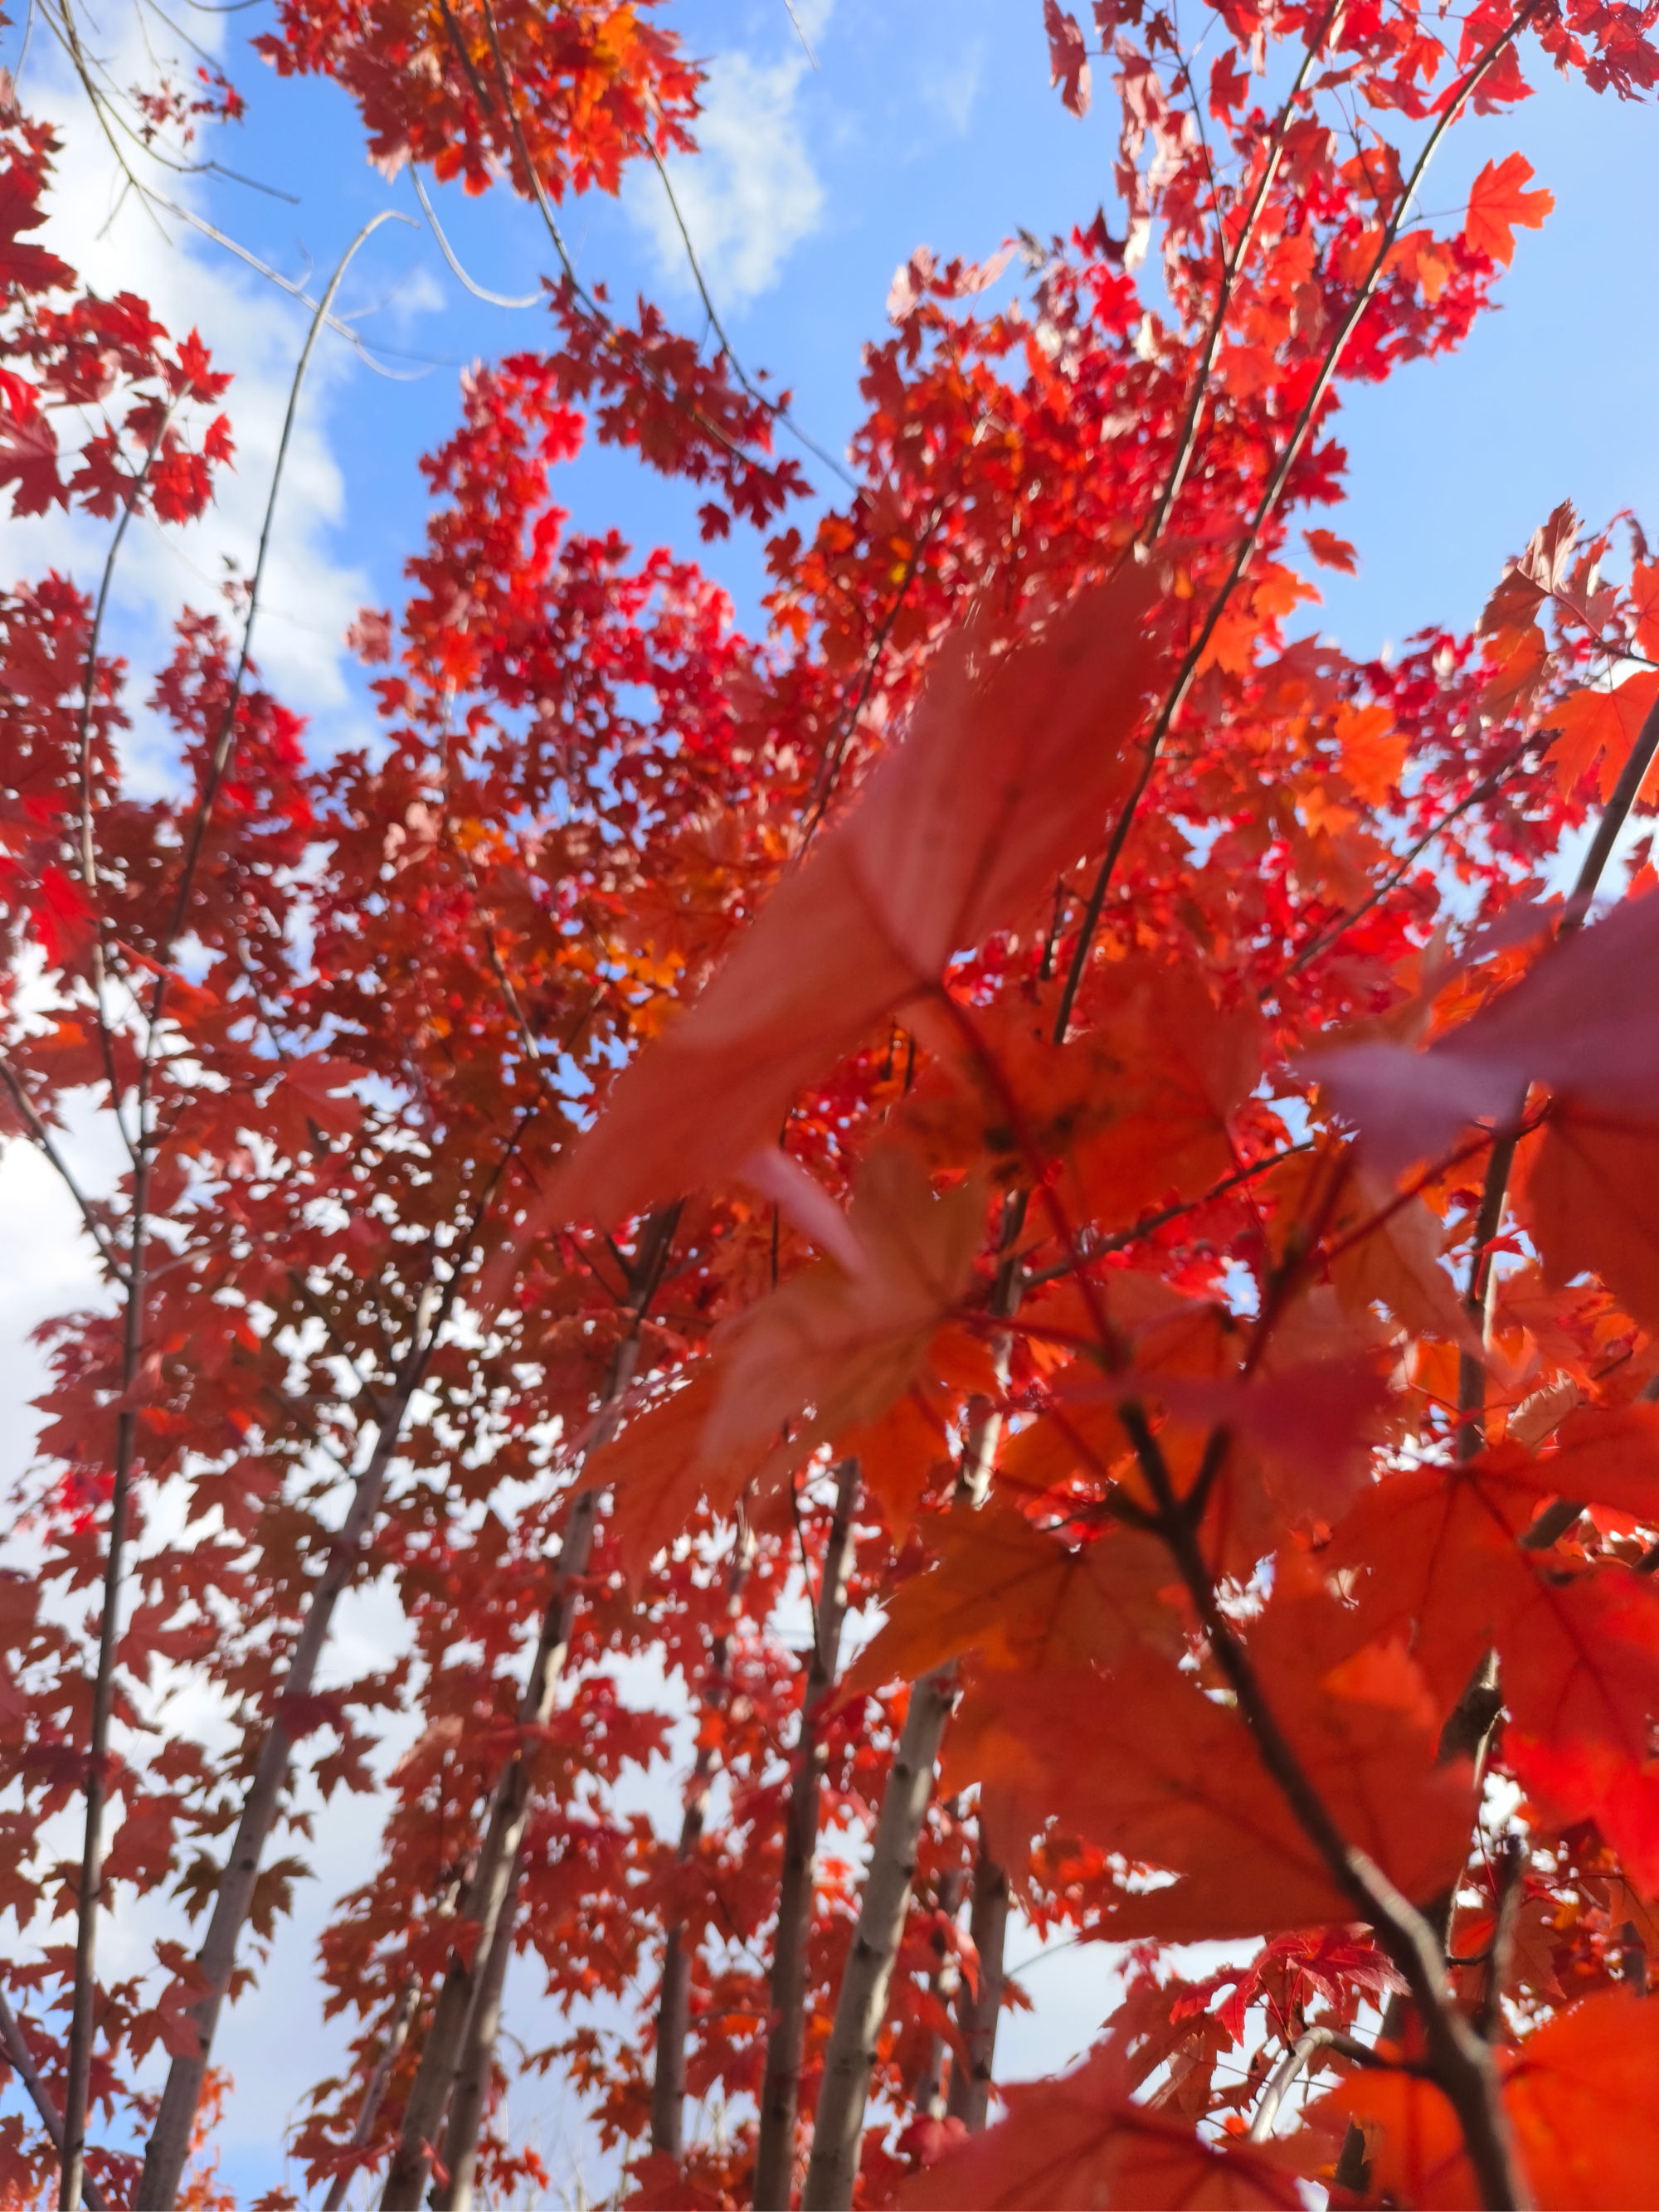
(751, 194)
(252, 328)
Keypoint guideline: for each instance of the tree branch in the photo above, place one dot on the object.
(1272, 494)
(17, 2056)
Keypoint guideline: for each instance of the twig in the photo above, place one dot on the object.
(1484, 789)
(89, 858)
(17, 2055)
(391, 2043)
(478, 292)
(800, 33)
(227, 730)
(1471, 1370)
(1272, 494)
(43, 1139)
(1279, 2080)
(1231, 265)
(830, 767)
(1148, 1222)
(286, 284)
(461, 46)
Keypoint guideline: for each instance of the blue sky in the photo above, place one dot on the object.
(931, 123)
(935, 125)
(922, 123)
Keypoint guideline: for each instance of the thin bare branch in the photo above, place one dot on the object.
(478, 292)
(286, 284)
(1295, 2059)
(43, 1139)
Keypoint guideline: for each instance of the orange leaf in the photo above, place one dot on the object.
(1397, 1263)
(658, 1470)
(1068, 56)
(1607, 1456)
(1579, 2095)
(1644, 603)
(1592, 1196)
(1416, 2156)
(959, 830)
(1599, 725)
(1174, 1779)
(1499, 204)
(899, 1455)
(1331, 551)
(1580, 1653)
(847, 1345)
(1023, 1598)
(1078, 2143)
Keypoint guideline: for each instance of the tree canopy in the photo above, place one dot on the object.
(1032, 1098)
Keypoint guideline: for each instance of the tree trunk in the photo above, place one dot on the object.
(175, 2122)
(396, 2035)
(471, 2094)
(492, 1894)
(72, 2146)
(942, 2074)
(862, 2003)
(979, 2005)
(674, 2007)
(492, 1878)
(775, 2155)
(861, 2007)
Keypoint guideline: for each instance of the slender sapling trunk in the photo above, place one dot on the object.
(775, 2155)
(979, 2001)
(674, 2005)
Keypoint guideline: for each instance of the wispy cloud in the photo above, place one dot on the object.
(951, 93)
(751, 194)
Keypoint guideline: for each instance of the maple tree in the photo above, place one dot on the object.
(1026, 1099)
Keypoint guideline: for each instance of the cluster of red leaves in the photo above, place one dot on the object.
(109, 361)
(745, 1018)
(578, 90)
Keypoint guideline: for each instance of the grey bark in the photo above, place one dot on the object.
(862, 2003)
(472, 2094)
(396, 2035)
(72, 2141)
(492, 1878)
(979, 2005)
(946, 1980)
(838, 2132)
(775, 2155)
(169, 2143)
(674, 2004)
(492, 1894)
(175, 2121)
